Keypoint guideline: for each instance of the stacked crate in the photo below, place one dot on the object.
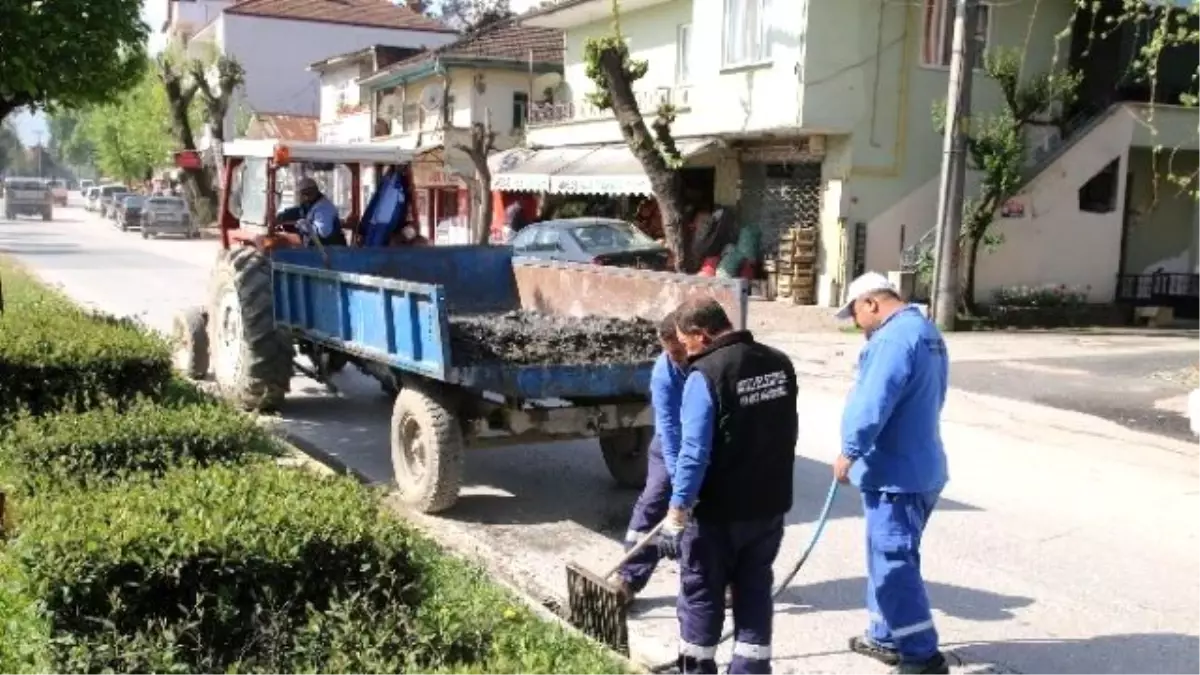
(793, 273)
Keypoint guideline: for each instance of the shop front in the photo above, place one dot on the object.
(442, 197)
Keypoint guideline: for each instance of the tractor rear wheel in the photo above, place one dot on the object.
(189, 342)
(251, 359)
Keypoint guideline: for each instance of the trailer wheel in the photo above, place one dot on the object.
(189, 342)
(626, 454)
(427, 451)
(251, 359)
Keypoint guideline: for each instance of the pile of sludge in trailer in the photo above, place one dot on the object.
(535, 338)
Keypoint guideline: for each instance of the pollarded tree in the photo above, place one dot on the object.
(614, 72)
(68, 53)
(996, 147)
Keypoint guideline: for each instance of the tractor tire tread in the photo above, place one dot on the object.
(266, 378)
(444, 447)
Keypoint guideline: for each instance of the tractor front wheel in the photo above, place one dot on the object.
(251, 359)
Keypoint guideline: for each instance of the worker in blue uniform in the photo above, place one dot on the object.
(892, 451)
(666, 392)
(731, 488)
(318, 216)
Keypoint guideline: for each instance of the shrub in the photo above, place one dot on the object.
(1048, 295)
(106, 442)
(261, 568)
(210, 569)
(54, 357)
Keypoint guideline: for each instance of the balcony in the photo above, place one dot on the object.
(411, 119)
(549, 114)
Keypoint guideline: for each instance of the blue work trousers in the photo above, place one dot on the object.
(650, 509)
(713, 556)
(897, 604)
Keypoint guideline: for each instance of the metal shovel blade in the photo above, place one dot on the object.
(597, 609)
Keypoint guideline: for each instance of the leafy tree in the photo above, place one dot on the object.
(130, 135)
(614, 73)
(12, 152)
(473, 15)
(68, 53)
(996, 146)
(69, 144)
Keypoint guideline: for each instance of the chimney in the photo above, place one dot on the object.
(416, 6)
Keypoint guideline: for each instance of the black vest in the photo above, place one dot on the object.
(754, 388)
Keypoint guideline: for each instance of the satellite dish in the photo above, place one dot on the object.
(431, 98)
(389, 106)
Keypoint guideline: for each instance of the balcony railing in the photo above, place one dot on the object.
(546, 114)
(1165, 289)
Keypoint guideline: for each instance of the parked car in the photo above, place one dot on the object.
(105, 194)
(600, 241)
(167, 215)
(28, 197)
(128, 208)
(58, 188)
(109, 202)
(85, 184)
(91, 198)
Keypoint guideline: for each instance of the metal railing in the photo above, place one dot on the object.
(1159, 287)
(545, 114)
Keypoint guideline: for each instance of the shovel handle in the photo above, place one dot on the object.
(637, 548)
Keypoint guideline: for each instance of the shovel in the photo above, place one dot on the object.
(595, 607)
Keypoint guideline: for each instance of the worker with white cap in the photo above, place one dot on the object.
(892, 452)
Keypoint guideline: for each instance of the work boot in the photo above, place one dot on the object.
(865, 646)
(934, 666)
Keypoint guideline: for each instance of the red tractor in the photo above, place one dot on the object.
(234, 336)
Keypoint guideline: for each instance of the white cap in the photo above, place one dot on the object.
(870, 282)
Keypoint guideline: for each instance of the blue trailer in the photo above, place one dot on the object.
(388, 310)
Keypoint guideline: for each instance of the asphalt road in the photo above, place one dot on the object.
(1064, 543)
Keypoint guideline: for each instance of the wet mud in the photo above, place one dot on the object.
(534, 338)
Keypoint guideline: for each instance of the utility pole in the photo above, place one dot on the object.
(944, 302)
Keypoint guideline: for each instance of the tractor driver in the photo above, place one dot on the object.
(318, 217)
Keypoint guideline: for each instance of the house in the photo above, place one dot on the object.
(345, 115)
(430, 102)
(276, 40)
(818, 113)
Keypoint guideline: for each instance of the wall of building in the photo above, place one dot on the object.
(889, 101)
(275, 54)
(339, 84)
(1163, 215)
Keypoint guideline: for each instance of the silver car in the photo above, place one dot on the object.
(167, 215)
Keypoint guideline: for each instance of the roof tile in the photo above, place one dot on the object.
(376, 13)
(499, 42)
(283, 127)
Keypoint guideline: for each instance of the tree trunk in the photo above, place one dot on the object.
(968, 295)
(664, 181)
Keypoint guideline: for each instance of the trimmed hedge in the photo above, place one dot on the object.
(261, 568)
(105, 443)
(54, 357)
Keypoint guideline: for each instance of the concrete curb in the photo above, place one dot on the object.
(460, 547)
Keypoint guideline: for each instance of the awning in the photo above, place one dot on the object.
(594, 169)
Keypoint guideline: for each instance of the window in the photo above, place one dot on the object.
(683, 53)
(523, 240)
(520, 109)
(746, 39)
(546, 240)
(938, 32)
